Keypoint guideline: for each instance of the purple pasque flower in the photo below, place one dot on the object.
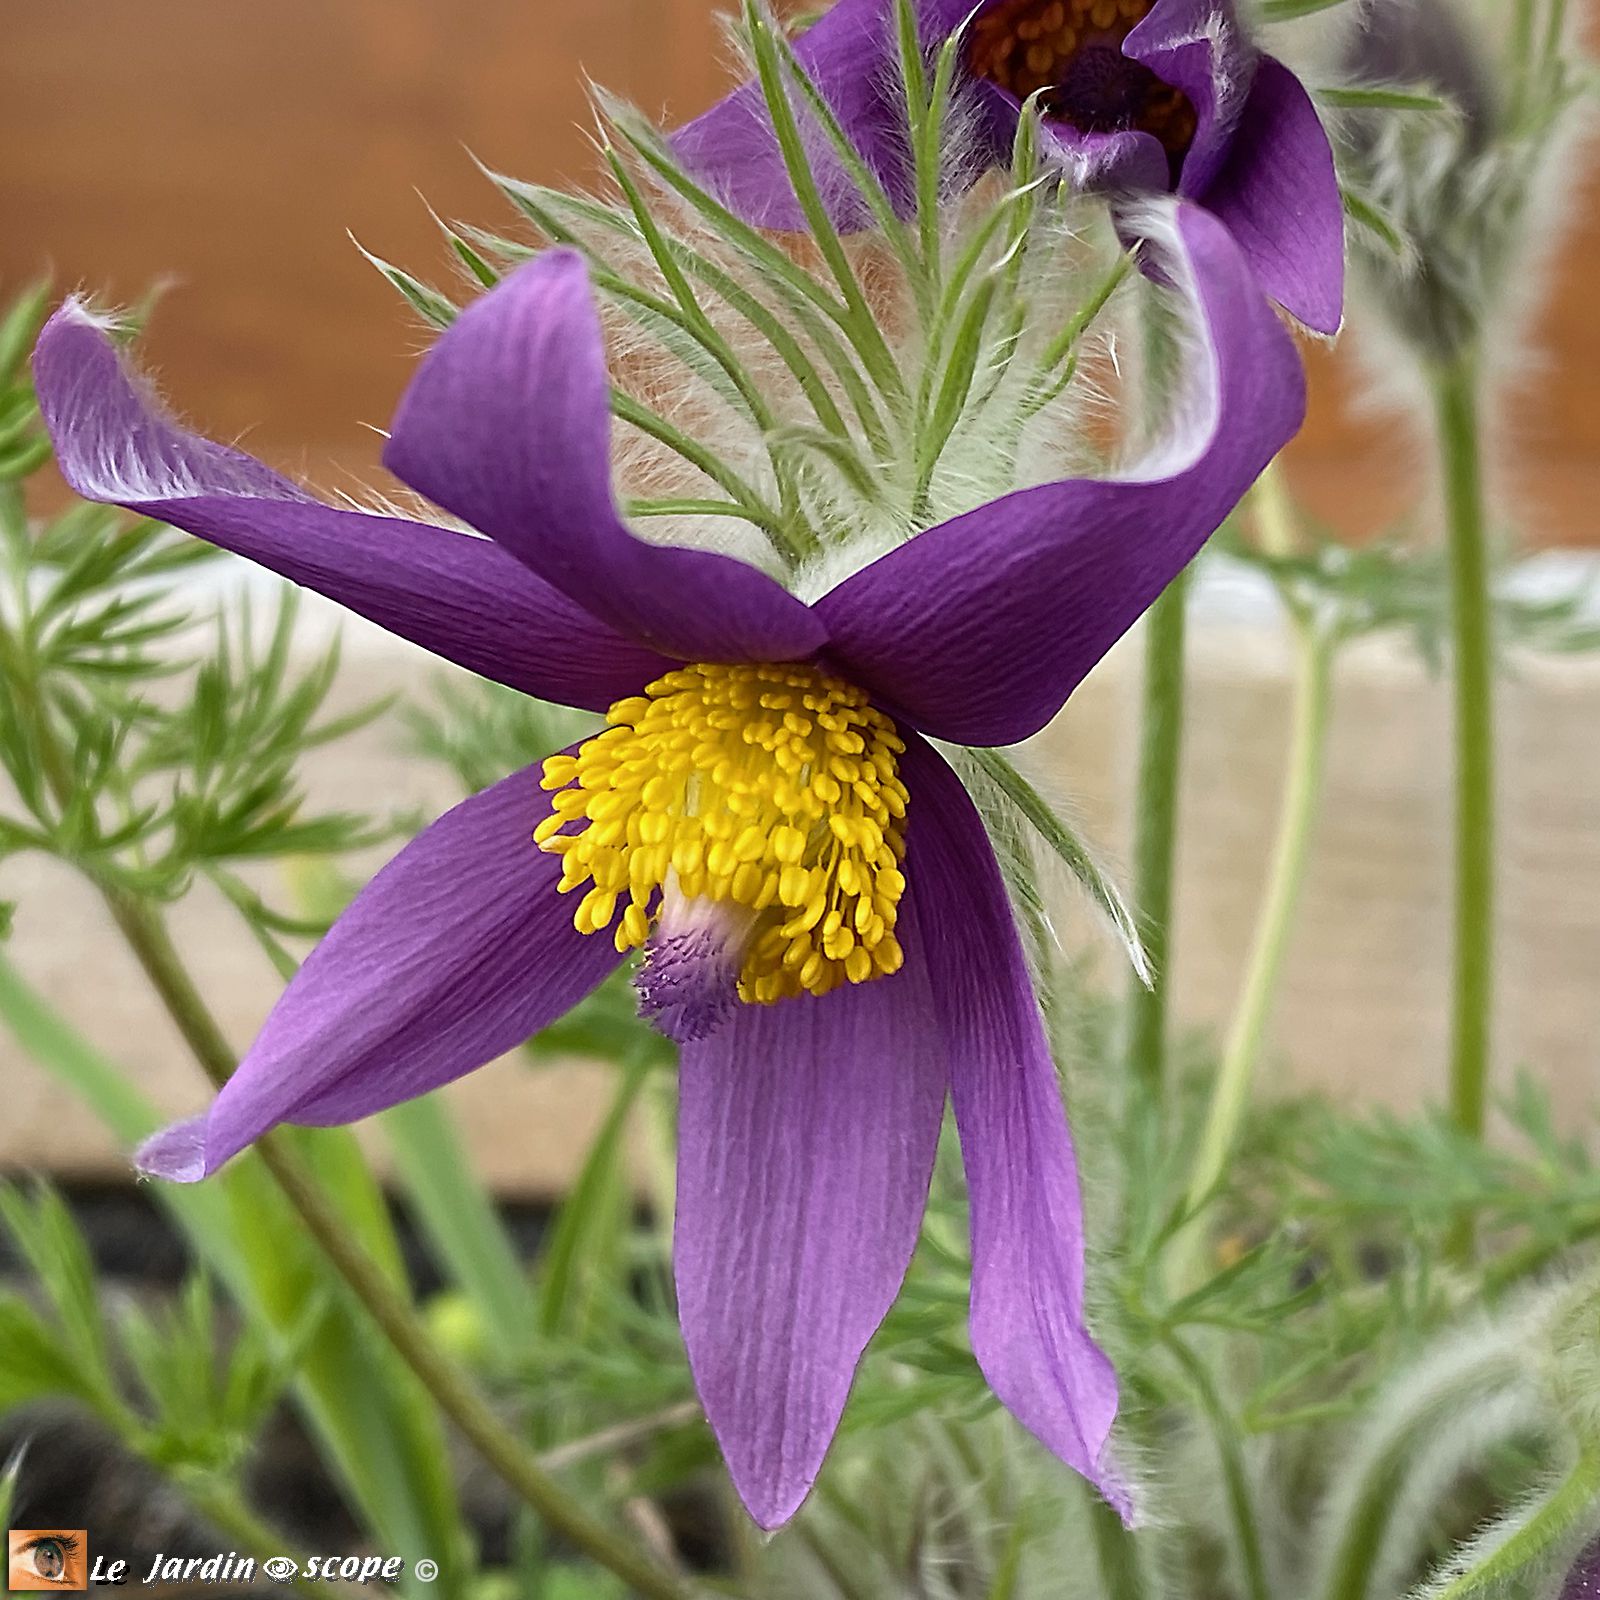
(1136, 96)
(764, 807)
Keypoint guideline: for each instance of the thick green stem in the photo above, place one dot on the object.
(1230, 1095)
(1236, 1486)
(1455, 391)
(451, 1391)
(1155, 824)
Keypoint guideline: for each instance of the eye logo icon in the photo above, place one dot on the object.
(279, 1568)
(44, 1559)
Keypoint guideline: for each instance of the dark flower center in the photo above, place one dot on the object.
(1069, 52)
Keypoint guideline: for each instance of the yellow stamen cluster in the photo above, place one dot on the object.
(1026, 46)
(774, 788)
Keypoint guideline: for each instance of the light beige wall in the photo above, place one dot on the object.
(1362, 1013)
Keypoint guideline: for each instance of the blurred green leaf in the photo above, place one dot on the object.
(19, 327)
(584, 1242)
(43, 1230)
(460, 1220)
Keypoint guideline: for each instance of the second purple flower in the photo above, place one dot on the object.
(1137, 97)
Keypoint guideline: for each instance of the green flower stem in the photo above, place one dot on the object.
(1116, 1552)
(1230, 1094)
(1275, 520)
(455, 1396)
(1235, 1474)
(224, 1508)
(1155, 825)
(1455, 394)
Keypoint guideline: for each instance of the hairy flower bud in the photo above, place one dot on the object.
(1466, 187)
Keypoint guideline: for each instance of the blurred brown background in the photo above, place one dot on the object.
(230, 145)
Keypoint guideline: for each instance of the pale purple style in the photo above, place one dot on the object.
(1260, 159)
(808, 1128)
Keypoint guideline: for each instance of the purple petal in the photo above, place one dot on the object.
(1198, 46)
(807, 1133)
(1279, 195)
(977, 630)
(1028, 1330)
(455, 953)
(852, 57)
(1583, 1582)
(508, 426)
(460, 597)
(1125, 161)
(177, 1154)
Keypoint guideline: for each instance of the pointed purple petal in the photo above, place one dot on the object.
(1028, 1329)
(460, 597)
(977, 630)
(807, 1133)
(1198, 46)
(508, 426)
(851, 55)
(1279, 195)
(177, 1154)
(455, 953)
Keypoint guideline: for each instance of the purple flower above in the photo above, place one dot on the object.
(1137, 97)
(825, 926)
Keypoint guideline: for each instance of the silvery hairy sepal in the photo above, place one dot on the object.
(1476, 192)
